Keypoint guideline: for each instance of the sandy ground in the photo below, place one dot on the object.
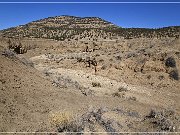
(30, 95)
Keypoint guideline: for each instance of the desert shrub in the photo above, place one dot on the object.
(132, 98)
(11, 54)
(96, 84)
(8, 53)
(128, 112)
(66, 82)
(170, 62)
(17, 49)
(101, 60)
(61, 82)
(72, 127)
(79, 59)
(117, 94)
(68, 122)
(97, 55)
(130, 55)
(65, 122)
(122, 89)
(46, 72)
(103, 67)
(95, 116)
(50, 56)
(178, 54)
(161, 120)
(161, 77)
(70, 51)
(174, 75)
(61, 118)
(118, 57)
(16, 46)
(111, 59)
(149, 77)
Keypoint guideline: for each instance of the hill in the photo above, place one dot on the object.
(78, 28)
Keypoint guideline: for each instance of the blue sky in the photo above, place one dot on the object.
(124, 15)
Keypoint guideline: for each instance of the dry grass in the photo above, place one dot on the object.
(61, 118)
(66, 122)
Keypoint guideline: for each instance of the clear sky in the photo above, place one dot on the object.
(124, 15)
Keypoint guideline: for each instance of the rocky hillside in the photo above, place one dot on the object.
(62, 27)
(78, 28)
(73, 22)
(101, 78)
